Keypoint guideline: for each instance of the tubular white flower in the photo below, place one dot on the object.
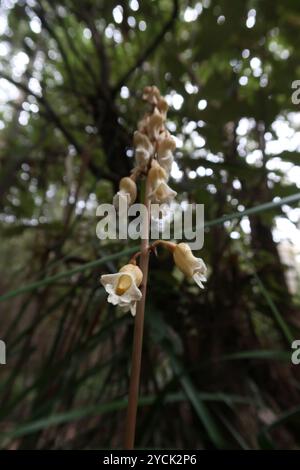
(123, 287)
(189, 264)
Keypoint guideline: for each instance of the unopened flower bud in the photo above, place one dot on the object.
(189, 264)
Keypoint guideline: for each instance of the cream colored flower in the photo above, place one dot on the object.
(154, 125)
(127, 193)
(123, 287)
(164, 152)
(156, 174)
(163, 107)
(143, 149)
(160, 191)
(189, 264)
(153, 96)
(162, 194)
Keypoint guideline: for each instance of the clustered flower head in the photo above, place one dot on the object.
(154, 147)
(152, 140)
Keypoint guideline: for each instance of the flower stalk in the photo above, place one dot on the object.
(128, 287)
(130, 424)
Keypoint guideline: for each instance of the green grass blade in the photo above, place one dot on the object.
(276, 314)
(200, 408)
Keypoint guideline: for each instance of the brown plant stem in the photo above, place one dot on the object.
(130, 424)
(169, 245)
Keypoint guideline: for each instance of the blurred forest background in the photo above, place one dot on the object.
(216, 369)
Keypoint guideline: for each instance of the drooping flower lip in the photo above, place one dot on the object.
(199, 271)
(199, 277)
(129, 308)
